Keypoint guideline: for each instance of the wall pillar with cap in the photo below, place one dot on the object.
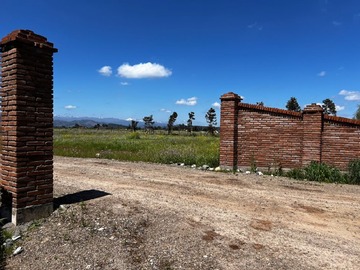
(229, 130)
(26, 173)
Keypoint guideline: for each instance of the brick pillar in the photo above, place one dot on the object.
(27, 124)
(229, 130)
(313, 126)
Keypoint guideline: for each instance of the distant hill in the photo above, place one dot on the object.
(89, 122)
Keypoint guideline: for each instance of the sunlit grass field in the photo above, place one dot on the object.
(125, 145)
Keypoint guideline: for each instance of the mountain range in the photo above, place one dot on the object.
(89, 122)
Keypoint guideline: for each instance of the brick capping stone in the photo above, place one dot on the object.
(26, 172)
(341, 120)
(274, 138)
(27, 37)
(313, 108)
(269, 109)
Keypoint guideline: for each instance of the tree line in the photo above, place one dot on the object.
(328, 107)
(292, 105)
(149, 122)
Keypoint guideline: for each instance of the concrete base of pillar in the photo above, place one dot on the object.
(23, 215)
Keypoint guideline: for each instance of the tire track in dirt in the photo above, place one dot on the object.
(274, 215)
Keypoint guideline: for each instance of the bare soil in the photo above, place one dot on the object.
(120, 215)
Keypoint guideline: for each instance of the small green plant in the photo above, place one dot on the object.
(35, 224)
(2, 248)
(253, 166)
(5, 250)
(275, 168)
(354, 172)
(83, 206)
(66, 237)
(83, 222)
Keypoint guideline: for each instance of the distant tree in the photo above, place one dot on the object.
(329, 107)
(211, 120)
(133, 125)
(171, 121)
(180, 127)
(260, 103)
(357, 113)
(149, 123)
(190, 121)
(293, 105)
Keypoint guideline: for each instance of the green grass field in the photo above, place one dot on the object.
(128, 146)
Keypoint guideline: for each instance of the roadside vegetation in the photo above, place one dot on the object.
(322, 172)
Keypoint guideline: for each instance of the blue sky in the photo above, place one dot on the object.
(133, 58)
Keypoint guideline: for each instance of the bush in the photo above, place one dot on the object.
(322, 172)
(297, 173)
(354, 172)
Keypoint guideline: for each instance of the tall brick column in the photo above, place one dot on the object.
(27, 125)
(312, 126)
(229, 130)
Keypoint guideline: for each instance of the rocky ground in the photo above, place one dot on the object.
(119, 215)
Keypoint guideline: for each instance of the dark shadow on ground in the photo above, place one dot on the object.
(80, 196)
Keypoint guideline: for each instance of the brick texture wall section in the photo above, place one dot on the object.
(272, 138)
(27, 124)
(312, 144)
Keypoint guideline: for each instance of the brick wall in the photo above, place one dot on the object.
(273, 137)
(27, 124)
(340, 140)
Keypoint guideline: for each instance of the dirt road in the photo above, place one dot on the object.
(149, 216)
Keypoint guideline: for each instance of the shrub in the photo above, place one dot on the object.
(322, 172)
(296, 173)
(354, 172)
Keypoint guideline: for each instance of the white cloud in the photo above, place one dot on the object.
(124, 83)
(350, 95)
(105, 71)
(70, 107)
(255, 26)
(337, 23)
(322, 73)
(216, 104)
(189, 102)
(165, 110)
(339, 108)
(143, 70)
(130, 119)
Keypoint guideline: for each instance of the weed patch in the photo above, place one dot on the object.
(131, 146)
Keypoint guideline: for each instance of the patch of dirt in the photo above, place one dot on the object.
(123, 215)
(263, 225)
